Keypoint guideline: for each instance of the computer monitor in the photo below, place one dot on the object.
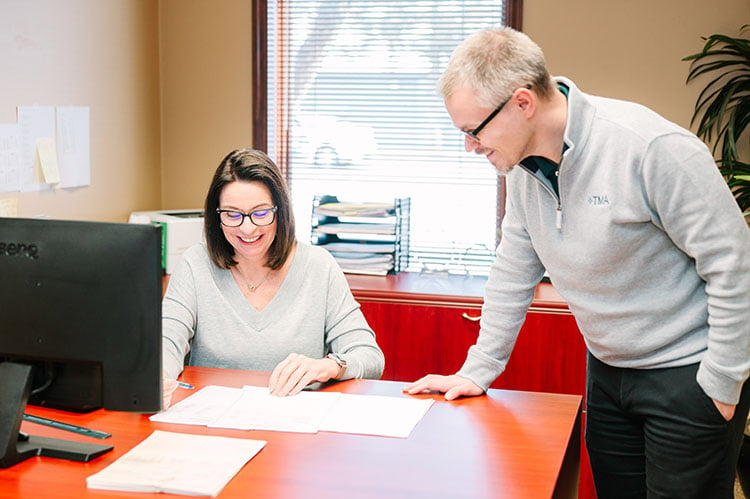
(81, 309)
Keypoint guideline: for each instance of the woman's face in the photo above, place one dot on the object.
(248, 240)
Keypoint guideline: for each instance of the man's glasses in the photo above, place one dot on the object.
(234, 218)
(473, 133)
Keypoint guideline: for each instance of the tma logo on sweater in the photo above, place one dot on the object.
(599, 200)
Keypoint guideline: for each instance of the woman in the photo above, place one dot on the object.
(253, 297)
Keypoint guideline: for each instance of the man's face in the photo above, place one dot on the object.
(502, 140)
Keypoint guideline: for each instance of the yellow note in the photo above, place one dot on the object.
(9, 207)
(47, 154)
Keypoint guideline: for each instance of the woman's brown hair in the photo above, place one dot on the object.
(249, 165)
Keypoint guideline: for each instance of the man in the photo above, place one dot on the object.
(638, 231)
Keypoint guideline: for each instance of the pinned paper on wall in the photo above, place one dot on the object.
(10, 157)
(73, 146)
(35, 122)
(48, 147)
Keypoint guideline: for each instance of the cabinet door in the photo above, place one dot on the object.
(421, 339)
(549, 355)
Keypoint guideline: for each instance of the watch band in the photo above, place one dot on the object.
(341, 363)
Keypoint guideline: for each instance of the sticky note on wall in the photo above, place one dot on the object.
(9, 207)
(47, 157)
(61, 160)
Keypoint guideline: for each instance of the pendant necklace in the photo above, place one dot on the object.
(250, 287)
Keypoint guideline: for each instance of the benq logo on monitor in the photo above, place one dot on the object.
(29, 251)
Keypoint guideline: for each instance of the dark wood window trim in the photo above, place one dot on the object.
(259, 73)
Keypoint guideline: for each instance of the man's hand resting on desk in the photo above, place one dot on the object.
(297, 371)
(453, 386)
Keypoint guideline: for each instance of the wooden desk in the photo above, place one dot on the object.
(425, 323)
(506, 444)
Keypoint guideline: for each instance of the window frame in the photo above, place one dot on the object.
(513, 12)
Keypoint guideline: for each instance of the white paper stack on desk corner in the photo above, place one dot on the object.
(177, 463)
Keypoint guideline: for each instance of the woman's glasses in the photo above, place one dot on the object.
(234, 218)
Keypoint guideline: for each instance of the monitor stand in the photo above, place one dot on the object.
(15, 385)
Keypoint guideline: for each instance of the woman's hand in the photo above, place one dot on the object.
(297, 371)
(168, 386)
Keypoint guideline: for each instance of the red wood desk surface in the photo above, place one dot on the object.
(505, 444)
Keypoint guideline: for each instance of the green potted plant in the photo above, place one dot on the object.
(722, 110)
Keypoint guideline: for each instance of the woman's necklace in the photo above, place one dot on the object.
(250, 287)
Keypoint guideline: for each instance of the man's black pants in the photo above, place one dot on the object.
(654, 433)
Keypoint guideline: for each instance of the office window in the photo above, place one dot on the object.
(351, 109)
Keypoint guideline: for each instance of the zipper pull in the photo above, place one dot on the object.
(558, 222)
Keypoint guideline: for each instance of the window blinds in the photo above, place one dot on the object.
(353, 111)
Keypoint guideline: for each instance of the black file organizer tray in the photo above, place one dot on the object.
(398, 214)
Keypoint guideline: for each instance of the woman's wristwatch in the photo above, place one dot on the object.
(340, 362)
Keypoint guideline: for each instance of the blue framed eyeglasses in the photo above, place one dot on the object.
(234, 218)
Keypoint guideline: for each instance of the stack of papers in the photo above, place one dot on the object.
(364, 263)
(360, 247)
(177, 463)
(363, 230)
(375, 258)
(355, 209)
(254, 408)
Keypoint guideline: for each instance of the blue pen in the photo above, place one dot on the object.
(185, 385)
(65, 426)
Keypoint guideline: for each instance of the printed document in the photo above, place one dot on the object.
(254, 408)
(177, 463)
(257, 409)
(376, 415)
(201, 408)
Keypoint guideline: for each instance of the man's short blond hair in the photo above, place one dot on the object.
(494, 62)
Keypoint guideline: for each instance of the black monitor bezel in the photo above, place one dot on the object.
(84, 293)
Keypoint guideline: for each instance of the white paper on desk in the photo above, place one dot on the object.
(200, 408)
(376, 415)
(254, 408)
(257, 409)
(177, 463)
